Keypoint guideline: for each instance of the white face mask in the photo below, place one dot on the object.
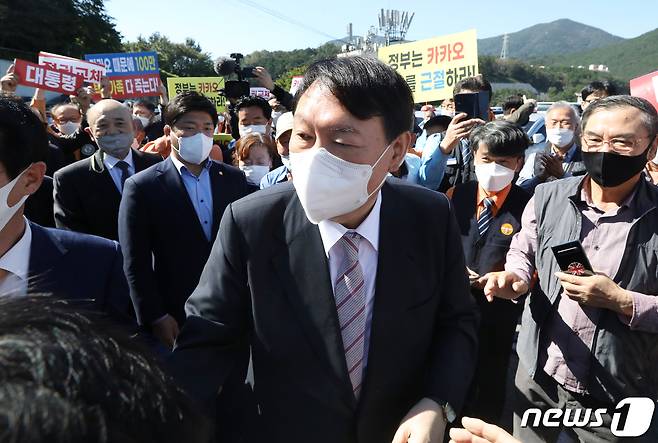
(194, 149)
(68, 128)
(250, 129)
(493, 177)
(560, 137)
(275, 116)
(145, 121)
(6, 212)
(285, 159)
(328, 186)
(255, 173)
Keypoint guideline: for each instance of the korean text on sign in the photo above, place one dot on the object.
(91, 72)
(432, 67)
(208, 86)
(44, 77)
(131, 74)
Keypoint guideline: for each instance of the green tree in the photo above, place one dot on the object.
(280, 62)
(175, 59)
(285, 80)
(67, 27)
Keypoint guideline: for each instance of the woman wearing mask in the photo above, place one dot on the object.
(254, 154)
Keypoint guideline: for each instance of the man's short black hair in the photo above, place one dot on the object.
(439, 120)
(188, 101)
(66, 377)
(477, 83)
(503, 138)
(23, 137)
(145, 103)
(598, 86)
(512, 102)
(258, 102)
(367, 88)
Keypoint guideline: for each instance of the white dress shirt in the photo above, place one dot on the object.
(111, 162)
(331, 232)
(16, 261)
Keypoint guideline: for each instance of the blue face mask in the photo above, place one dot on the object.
(115, 145)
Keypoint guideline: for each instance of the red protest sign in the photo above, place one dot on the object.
(43, 77)
(646, 87)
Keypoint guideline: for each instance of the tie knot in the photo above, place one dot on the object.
(350, 241)
(122, 165)
(488, 202)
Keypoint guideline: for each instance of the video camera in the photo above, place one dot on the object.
(226, 67)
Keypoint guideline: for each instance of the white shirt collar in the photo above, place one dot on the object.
(111, 162)
(17, 259)
(331, 232)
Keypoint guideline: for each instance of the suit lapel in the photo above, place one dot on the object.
(138, 161)
(45, 253)
(177, 194)
(303, 267)
(106, 186)
(220, 196)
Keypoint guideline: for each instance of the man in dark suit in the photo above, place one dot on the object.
(170, 213)
(360, 328)
(88, 192)
(37, 260)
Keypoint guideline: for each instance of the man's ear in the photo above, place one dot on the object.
(520, 161)
(400, 148)
(652, 149)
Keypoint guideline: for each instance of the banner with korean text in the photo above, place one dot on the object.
(131, 74)
(432, 67)
(44, 77)
(91, 72)
(646, 87)
(207, 86)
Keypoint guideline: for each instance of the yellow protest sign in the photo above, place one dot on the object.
(207, 86)
(432, 67)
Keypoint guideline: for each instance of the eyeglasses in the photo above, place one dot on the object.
(617, 144)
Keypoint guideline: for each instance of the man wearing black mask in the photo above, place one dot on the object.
(590, 341)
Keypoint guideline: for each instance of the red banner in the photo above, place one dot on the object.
(646, 87)
(50, 79)
(132, 86)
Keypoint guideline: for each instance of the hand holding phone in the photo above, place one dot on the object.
(572, 259)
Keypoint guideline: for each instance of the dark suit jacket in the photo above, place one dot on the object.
(164, 246)
(86, 198)
(267, 283)
(80, 267)
(39, 206)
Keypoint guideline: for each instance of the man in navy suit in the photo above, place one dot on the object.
(37, 260)
(169, 216)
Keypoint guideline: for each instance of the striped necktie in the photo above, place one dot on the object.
(350, 297)
(466, 152)
(485, 216)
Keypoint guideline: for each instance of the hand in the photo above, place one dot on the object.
(503, 284)
(82, 98)
(553, 165)
(9, 82)
(477, 431)
(457, 130)
(473, 278)
(424, 423)
(598, 291)
(106, 87)
(264, 78)
(166, 330)
(164, 98)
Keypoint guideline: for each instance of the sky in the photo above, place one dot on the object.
(225, 26)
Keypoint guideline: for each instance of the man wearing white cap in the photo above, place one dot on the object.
(283, 133)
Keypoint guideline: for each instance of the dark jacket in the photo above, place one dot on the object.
(267, 285)
(624, 362)
(86, 198)
(164, 245)
(39, 206)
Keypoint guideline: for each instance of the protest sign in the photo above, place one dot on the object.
(131, 74)
(91, 72)
(260, 92)
(646, 87)
(432, 67)
(207, 86)
(44, 77)
(296, 83)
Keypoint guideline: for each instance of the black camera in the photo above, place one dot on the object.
(228, 66)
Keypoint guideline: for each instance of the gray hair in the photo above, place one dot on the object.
(649, 116)
(562, 105)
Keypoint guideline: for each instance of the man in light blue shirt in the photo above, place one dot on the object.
(200, 192)
(283, 134)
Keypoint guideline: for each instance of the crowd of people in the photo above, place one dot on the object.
(338, 272)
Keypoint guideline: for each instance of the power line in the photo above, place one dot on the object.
(284, 18)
